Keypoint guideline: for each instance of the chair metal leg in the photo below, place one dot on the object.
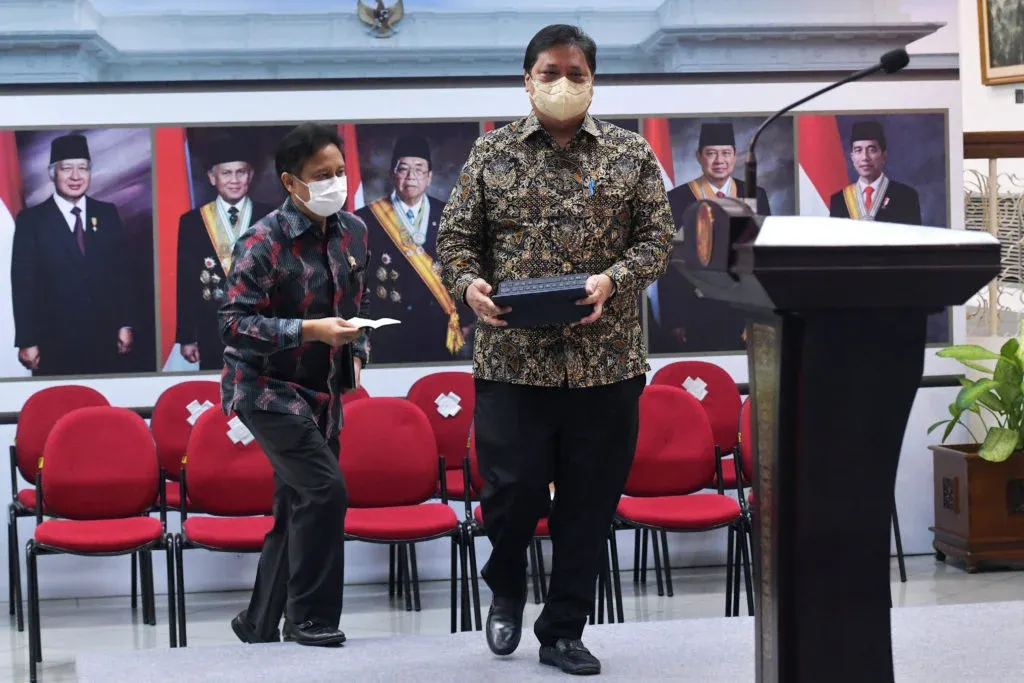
(391, 570)
(180, 579)
(406, 577)
(135, 584)
(532, 566)
(657, 561)
(35, 647)
(465, 550)
(730, 563)
(12, 556)
(643, 558)
(415, 577)
(172, 622)
(616, 575)
(666, 562)
(453, 584)
(748, 582)
(540, 569)
(475, 579)
(899, 543)
(636, 556)
(19, 608)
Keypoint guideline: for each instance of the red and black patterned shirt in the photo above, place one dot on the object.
(284, 270)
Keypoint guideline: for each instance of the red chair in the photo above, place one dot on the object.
(40, 413)
(170, 427)
(475, 526)
(450, 431)
(356, 395)
(675, 458)
(391, 466)
(99, 475)
(233, 484)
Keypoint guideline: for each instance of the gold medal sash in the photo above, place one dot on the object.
(855, 201)
(702, 189)
(852, 197)
(221, 241)
(385, 213)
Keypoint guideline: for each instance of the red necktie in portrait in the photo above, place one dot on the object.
(868, 191)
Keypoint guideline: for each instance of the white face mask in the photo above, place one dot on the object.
(326, 197)
(562, 99)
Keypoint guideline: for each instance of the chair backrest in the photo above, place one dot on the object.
(675, 451)
(225, 478)
(170, 421)
(438, 395)
(99, 463)
(38, 416)
(388, 453)
(357, 394)
(747, 442)
(721, 402)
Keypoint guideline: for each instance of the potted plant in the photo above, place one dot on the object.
(979, 486)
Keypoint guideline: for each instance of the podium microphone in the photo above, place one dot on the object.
(890, 63)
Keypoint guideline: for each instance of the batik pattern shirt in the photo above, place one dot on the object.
(286, 269)
(524, 207)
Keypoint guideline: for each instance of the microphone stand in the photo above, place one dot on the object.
(750, 171)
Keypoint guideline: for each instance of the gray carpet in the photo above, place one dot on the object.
(976, 643)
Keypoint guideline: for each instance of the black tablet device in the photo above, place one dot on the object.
(543, 300)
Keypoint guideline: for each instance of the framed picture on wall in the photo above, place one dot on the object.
(1001, 27)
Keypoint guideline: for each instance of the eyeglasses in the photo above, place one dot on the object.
(411, 171)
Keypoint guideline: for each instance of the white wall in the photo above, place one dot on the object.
(69, 576)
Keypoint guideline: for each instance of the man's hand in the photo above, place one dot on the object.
(190, 352)
(124, 340)
(334, 332)
(478, 298)
(599, 288)
(29, 357)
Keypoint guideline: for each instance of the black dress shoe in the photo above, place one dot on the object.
(314, 634)
(505, 625)
(246, 632)
(571, 657)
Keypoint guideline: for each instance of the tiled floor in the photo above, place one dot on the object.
(74, 626)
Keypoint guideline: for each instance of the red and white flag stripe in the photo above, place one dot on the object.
(658, 137)
(822, 163)
(355, 179)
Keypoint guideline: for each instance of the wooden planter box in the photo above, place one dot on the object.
(979, 506)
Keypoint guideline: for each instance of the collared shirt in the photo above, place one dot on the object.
(65, 207)
(724, 189)
(522, 207)
(244, 208)
(417, 224)
(285, 270)
(862, 185)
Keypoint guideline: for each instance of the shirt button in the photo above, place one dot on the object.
(566, 267)
(567, 332)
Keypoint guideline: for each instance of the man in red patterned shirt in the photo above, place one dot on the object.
(296, 278)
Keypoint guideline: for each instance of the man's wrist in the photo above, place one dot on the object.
(309, 331)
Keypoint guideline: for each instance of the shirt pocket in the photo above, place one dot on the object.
(608, 212)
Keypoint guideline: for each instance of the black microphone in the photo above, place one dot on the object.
(890, 63)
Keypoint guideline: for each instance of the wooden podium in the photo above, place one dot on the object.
(836, 345)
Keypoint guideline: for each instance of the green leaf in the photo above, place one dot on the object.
(937, 425)
(954, 411)
(962, 352)
(999, 444)
(1010, 350)
(992, 402)
(949, 429)
(976, 366)
(968, 396)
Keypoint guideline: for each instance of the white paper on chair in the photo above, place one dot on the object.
(448, 405)
(698, 388)
(373, 324)
(238, 432)
(195, 409)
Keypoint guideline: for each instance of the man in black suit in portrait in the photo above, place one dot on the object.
(875, 196)
(70, 289)
(404, 279)
(679, 320)
(206, 236)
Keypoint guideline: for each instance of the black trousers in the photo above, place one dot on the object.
(584, 441)
(302, 567)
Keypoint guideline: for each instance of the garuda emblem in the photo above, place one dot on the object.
(381, 19)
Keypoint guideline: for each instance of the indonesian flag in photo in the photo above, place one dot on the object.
(488, 126)
(355, 200)
(11, 204)
(658, 137)
(822, 163)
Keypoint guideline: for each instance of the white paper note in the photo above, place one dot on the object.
(195, 409)
(698, 388)
(448, 405)
(238, 432)
(373, 324)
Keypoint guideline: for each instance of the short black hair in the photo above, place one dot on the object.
(560, 34)
(301, 143)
